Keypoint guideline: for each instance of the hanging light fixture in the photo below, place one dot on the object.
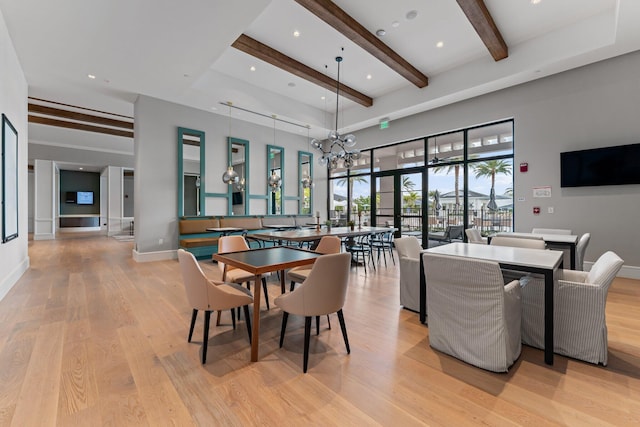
(230, 176)
(274, 180)
(338, 145)
(306, 181)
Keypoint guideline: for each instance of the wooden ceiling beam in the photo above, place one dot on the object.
(81, 117)
(333, 15)
(266, 53)
(78, 126)
(480, 18)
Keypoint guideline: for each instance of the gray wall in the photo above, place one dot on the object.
(593, 106)
(14, 257)
(156, 183)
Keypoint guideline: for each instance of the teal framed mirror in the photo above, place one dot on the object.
(275, 183)
(238, 159)
(305, 183)
(191, 170)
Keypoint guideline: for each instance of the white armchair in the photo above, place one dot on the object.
(474, 236)
(409, 258)
(579, 324)
(473, 315)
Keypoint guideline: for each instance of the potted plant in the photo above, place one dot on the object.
(351, 224)
(328, 224)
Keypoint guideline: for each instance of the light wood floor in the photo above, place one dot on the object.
(89, 337)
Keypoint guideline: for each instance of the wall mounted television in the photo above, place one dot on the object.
(619, 165)
(84, 198)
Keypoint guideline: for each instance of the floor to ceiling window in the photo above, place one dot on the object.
(450, 181)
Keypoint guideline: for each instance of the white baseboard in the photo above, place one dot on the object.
(154, 256)
(47, 236)
(13, 277)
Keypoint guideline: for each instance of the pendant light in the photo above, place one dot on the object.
(230, 176)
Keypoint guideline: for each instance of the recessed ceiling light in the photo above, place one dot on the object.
(369, 76)
(91, 76)
(380, 32)
(81, 168)
(296, 33)
(535, 1)
(411, 14)
(440, 44)
(214, 108)
(323, 98)
(395, 24)
(252, 68)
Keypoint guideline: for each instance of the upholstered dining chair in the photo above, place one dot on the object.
(237, 275)
(327, 245)
(205, 294)
(409, 260)
(323, 292)
(551, 231)
(518, 242)
(474, 236)
(473, 315)
(581, 249)
(579, 322)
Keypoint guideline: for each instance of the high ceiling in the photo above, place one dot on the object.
(180, 51)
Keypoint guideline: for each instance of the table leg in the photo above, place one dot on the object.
(224, 277)
(548, 314)
(423, 292)
(255, 331)
(282, 288)
(572, 253)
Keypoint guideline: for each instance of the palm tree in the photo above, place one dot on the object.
(491, 168)
(407, 184)
(343, 181)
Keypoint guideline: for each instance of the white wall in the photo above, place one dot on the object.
(156, 169)
(14, 257)
(593, 106)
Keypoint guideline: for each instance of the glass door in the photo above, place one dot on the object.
(399, 204)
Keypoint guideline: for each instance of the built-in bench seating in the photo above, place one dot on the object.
(195, 238)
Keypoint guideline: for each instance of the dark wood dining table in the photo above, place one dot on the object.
(261, 261)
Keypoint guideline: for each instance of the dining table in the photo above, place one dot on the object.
(258, 262)
(309, 235)
(538, 261)
(564, 241)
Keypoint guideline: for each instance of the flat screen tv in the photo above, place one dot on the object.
(84, 198)
(617, 165)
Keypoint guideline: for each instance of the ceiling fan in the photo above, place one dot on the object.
(435, 160)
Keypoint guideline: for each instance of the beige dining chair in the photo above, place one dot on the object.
(474, 236)
(409, 249)
(517, 242)
(473, 315)
(323, 292)
(327, 245)
(208, 295)
(581, 249)
(551, 231)
(237, 275)
(579, 313)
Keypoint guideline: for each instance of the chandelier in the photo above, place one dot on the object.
(338, 146)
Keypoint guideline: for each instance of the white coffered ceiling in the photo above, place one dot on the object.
(181, 51)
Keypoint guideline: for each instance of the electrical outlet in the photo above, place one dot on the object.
(550, 209)
(160, 241)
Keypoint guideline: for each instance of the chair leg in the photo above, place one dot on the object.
(266, 294)
(329, 321)
(293, 285)
(194, 316)
(307, 334)
(317, 325)
(205, 338)
(344, 330)
(285, 316)
(233, 318)
(247, 317)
